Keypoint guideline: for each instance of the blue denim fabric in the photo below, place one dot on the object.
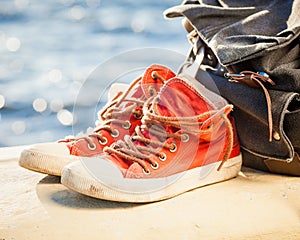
(256, 35)
(240, 30)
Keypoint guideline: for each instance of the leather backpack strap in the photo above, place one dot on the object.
(284, 167)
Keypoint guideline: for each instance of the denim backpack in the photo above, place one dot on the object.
(249, 52)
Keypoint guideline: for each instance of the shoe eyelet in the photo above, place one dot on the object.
(210, 126)
(138, 116)
(126, 125)
(185, 137)
(157, 99)
(92, 147)
(153, 75)
(152, 90)
(146, 172)
(115, 133)
(104, 142)
(155, 166)
(162, 156)
(173, 148)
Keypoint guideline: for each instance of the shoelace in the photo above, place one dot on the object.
(249, 78)
(140, 153)
(114, 112)
(256, 80)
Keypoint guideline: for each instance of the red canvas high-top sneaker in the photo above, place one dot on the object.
(187, 140)
(118, 118)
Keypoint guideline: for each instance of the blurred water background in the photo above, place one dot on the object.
(49, 48)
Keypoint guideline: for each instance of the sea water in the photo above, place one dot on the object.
(50, 49)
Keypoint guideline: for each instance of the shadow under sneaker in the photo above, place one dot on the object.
(187, 140)
(118, 118)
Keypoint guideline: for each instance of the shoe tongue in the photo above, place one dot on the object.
(179, 98)
(149, 82)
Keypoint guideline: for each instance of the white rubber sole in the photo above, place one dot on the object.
(76, 177)
(45, 163)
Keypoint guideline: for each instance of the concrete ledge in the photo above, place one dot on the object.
(254, 205)
(10, 153)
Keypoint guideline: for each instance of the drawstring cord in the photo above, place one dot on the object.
(256, 80)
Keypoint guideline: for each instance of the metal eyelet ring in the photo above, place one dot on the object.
(147, 172)
(185, 137)
(173, 148)
(210, 126)
(92, 147)
(155, 165)
(115, 133)
(104, 142)
(138, 116)
(126, 125)
(153, 75)
(162, 156)
(152, 90)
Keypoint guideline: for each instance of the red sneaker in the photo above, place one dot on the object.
(118, 118)
(186, 140)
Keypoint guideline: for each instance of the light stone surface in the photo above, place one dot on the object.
(254, 205)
